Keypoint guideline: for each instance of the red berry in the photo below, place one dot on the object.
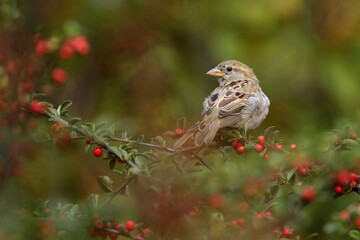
(308, 194)
(63, 140)
(240, 149)
(278, 146)
(81, 45)
(179, 132)
(234, 223)
(235, 143)
(344, 215)
(292, 147)
(241, 221)
(259, 147)
(261, 140)
(59, 75)
(129, 225)
(287, 232)
(120, 160)
(303, 171)
(27, 87)
(12, 66)
(88, 140)
(113, 235)
(37, 107)
(357, 222)
(41, 47)
(267, 213)
(260, 215)
(353, 136)
(266, 156)
(116, 224)
(217, 201)
(56, 127)
(97, 151)
(66, 52)
(353, 184)
(244, 206)
(98, 223)
(338, 189)
(146, 232)
(192, 213)
(353, 176)
(343, 177)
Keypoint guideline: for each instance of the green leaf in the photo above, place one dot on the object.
(87, 147)
(156, 188)
(93, 201)
(158, 140)
(74, 211)
(106, 183)
(36, 95)
(290, 174)
(118, 151)
(135, 170)
(331, 227)
(268, 131)
(73, 121)
(40, 208)
(274, 189)
(313, 235)
(62, 109)
(52, 112)
(348, 143)
(354, 234)
(112, 163)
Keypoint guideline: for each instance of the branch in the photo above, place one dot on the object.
(116, 192)
(163, 148)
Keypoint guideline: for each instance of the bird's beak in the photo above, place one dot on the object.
(215, 73)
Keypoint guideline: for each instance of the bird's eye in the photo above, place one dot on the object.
(229, 69)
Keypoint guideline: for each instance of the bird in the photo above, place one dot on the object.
(238, 102)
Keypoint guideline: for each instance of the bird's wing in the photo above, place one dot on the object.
(232, 106)
(225, 106)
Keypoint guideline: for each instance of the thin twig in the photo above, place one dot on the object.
(160, 147)
(116, 192)
(201, 160)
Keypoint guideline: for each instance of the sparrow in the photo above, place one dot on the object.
(238, 102)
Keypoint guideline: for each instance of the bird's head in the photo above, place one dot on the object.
(231, 70)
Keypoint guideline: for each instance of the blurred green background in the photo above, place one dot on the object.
(148, 60)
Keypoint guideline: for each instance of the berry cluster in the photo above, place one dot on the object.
(261, 146)
(346, 181)
(30, 64)
(114, 229)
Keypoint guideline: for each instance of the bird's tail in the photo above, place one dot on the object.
(207, 134)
